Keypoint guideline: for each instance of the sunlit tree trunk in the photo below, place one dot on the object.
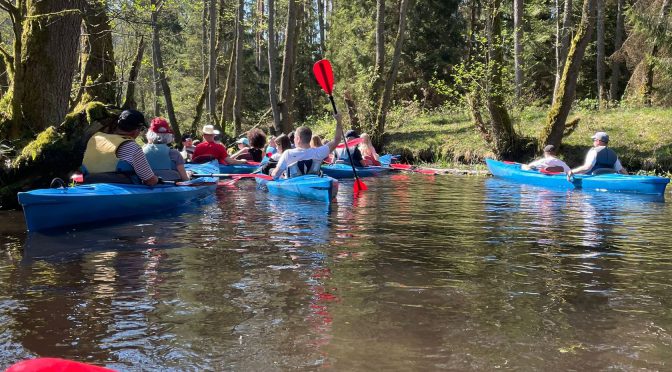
(289, 57)
(212, 63)
(651, 56)
(49, 59)
(565, 38)
(129, 102)
(379, 67)
(98, 76)
(272, 69)
(554, 129)
(518, 44)
(601, 94)
(238, 101)
(392, 76)
(320, 23)
(156, 46)
(204, 39)
(618, 41)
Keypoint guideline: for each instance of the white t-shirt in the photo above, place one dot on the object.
(552, 161)
(591, 157)
(292, 156)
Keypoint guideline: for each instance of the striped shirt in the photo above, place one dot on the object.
(132, 153)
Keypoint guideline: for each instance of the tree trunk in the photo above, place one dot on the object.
(500, 122)
(204, 40)
(518, 44)
(389, 83)
(288, 68)
(352, 111)
(272, 77)
(601, 94)
(618, 41)
(162, 72)
(379, 68)
(129, 102)
(259, 38)
(98, 76)
(198, 112)
(565, 37)
(156, 85)
(554, 129)
(651, 57)
(227, 100)
(48, 61)
(15, 72)
(238, 101)
(320, 23)
(212, 64)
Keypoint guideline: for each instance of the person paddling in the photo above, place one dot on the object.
(600, 159)
(210, 150)
(116, 157)
(342, 156)
(549, 162)
(303, 159)
(166, 163)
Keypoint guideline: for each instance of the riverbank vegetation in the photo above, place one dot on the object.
(435, 80)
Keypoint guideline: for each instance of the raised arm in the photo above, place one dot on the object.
(338, 135)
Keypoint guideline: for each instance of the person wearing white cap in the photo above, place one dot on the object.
(600, 159)
(210, 150)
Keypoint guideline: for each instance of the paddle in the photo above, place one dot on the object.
(229, 175)
(325, 77)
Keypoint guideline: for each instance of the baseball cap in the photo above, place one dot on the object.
(244, 141)
(160, 125)
(602, 136)
(131, 120)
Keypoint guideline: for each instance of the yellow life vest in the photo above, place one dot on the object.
(101, 152)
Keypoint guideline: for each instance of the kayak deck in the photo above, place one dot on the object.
(340, 171)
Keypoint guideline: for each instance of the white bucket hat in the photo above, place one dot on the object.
(210, 129)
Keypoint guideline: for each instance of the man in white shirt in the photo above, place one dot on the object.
(303, 159)
(600, 159)
(548, 162)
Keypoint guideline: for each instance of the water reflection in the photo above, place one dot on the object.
(418, 273)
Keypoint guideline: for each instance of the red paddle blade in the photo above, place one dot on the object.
(360, 186)
(351, 143)
(324, 75)
(401, 166)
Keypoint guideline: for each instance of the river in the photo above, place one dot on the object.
(418, 273)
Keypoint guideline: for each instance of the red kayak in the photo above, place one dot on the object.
(54, 365)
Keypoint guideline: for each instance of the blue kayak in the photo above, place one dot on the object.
(652, 185)
(84, 204)
(238, 168)
(340, 171)
(309, 187)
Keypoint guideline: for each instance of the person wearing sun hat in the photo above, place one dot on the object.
(549, 162)
(600, 159)
(166, 163)
(116, 157)
(210, 150)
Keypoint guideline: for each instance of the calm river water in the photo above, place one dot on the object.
(419, 273)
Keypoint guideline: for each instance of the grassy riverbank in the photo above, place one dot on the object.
(640, 136)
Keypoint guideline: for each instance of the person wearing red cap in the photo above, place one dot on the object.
(166, 163)
(116, 157)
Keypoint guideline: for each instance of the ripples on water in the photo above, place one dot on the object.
(418, 273)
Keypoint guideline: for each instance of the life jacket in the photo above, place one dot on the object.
(101, 152)
(605, 158)
(342, 156)
(158, 157)
(304, 167)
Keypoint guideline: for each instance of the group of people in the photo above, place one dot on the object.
(600, 159)
(116, 157)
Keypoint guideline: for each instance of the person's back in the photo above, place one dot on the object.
(303, 159)
(355, 155)
(166, 163)
(600, 159)
(549, 162)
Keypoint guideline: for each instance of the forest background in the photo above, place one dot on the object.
(432, 80)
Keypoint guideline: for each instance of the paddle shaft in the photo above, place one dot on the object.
(233, 175)
(352, 161)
